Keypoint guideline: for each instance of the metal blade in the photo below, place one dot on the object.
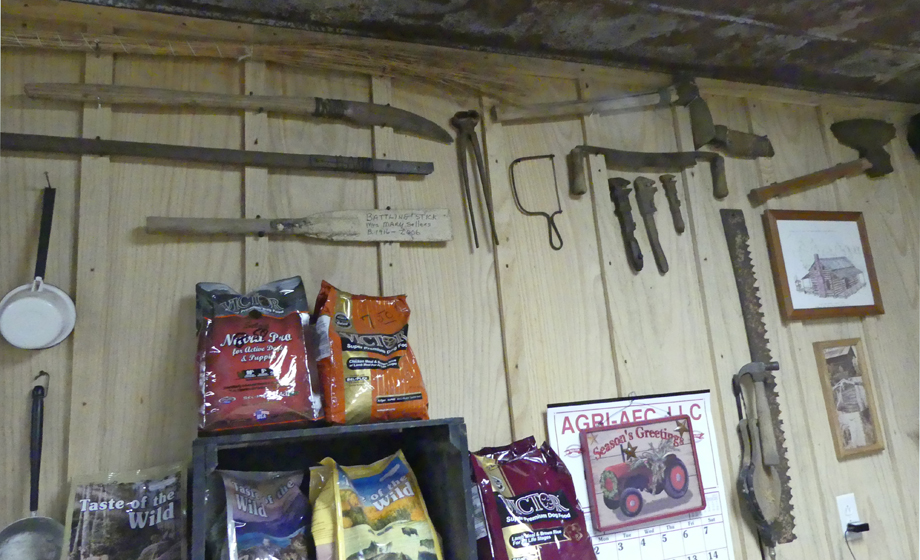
(737, 144)
(664, 97)
(15, 142)
(356, 112)
(640, 162)
(371, 114)
(737, 237)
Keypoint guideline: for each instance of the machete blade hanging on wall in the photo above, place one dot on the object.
(775, 492)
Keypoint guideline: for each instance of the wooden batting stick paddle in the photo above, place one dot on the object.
(354, 226)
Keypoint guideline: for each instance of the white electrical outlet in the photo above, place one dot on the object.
(846, 506)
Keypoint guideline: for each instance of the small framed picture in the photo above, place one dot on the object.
(822, 265)
(848, 397)
(641, 472)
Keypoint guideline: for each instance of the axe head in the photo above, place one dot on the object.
(868, 137)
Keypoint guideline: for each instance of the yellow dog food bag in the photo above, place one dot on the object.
(372, 510)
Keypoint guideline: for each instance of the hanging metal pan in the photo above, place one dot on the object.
(38, 315)
(35, 537)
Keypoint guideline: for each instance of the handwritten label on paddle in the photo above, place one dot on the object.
(417, 225)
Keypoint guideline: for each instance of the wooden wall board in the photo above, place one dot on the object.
(908, 162)
(901, 405)
(727, 330)
(22, 177)
(385, 189)
(350, 267)
(560, 317)
(255, 179)
(890, 210)
(92, 288)
(798, 132)
(38, 116)
(144, 409)
(804, 98)
(451, 288)
(871, 478)
(557, 342)
(727, 343)
(655, 317)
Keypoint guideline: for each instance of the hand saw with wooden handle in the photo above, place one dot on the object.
(771, 478)
(350, 226)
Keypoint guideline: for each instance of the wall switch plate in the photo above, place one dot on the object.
(846, 506)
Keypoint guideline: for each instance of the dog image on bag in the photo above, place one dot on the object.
(372, 512)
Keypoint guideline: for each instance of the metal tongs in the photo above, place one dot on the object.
(550, 218)
(465, 122)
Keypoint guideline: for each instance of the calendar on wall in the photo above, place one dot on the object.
(699, 535)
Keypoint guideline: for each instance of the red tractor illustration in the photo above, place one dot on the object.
(653, 471)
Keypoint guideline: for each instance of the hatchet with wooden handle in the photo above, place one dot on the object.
(810, 181)
(866, 136)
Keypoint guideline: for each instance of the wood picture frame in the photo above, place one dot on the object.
(847, 386)
(822, 264)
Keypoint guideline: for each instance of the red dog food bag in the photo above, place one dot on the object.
(253, 360)
(529, 503)
(368, 370)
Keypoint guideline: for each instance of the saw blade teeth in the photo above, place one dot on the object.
(737, 239)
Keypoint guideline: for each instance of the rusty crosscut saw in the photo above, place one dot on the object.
(764, 487)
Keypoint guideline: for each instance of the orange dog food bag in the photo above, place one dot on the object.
(368, 370)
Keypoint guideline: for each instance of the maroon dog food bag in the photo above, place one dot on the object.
(529, 503)
(254, 363)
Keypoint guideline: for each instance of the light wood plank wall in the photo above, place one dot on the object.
(501, 331)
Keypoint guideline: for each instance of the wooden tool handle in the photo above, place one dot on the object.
(719, 182)
(810, 181)
(768, 445)
(208, 226)
(92, 93)
(577, 160)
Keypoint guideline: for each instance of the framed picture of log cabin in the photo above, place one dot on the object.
(822, 264)
(847, 387)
